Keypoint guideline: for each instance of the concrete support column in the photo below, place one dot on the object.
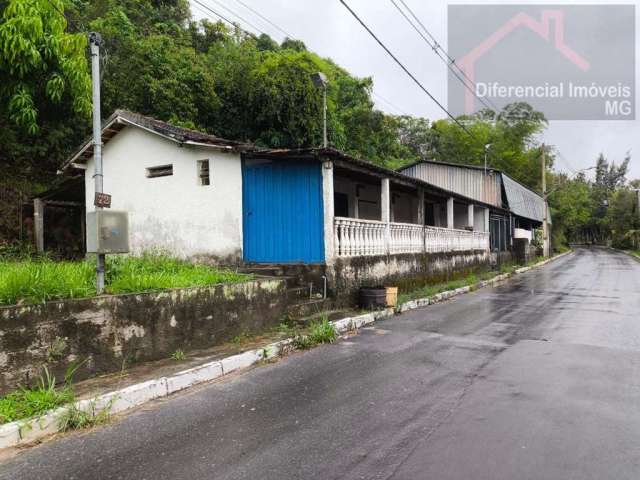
(385, 210)
(328, 208)
(486, 219)
(38, 217)
(470, 221)
(420, 211)
(450, 212)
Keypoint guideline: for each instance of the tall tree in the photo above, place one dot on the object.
(40, 62)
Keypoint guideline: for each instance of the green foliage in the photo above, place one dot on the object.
(429, 290)
(320, 331)
(598, 211)
(155, 271)
(40, 62)
(40, 280)
(178, 355)
(511, 134)
(75, 419)
(31, 402)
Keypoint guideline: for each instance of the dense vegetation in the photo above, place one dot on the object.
(39, 280)
(209, 76)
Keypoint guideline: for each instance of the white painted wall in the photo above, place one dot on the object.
(173, 213)
(522, 233)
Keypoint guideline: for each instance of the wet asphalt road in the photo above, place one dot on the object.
(536, 379)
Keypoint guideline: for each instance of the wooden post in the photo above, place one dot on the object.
(38, 220)
(545, 226)
(470, 221)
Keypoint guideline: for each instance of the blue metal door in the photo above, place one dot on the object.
(282, 211)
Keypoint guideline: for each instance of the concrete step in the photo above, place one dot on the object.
(263, 270)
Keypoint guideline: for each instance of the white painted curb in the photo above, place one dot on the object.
(26, 431)
(439, 297)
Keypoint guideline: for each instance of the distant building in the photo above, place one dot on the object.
(516, 210)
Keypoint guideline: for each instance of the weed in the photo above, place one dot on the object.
(75, 418)
(32, 402)
(320, 331)
(178, 355)
(286, 329)
(243, 337)
(56, 349)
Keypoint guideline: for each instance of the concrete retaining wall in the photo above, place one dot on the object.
(347, 275)
(110, 332)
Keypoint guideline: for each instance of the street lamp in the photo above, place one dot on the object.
(486, 151)
(320, 81)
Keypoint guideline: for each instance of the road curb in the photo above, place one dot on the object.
(23, 432)
(635, 257)
(439, 297)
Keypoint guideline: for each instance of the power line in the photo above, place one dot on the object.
(448, 61)
(437, 45)
(221, 17)
(255, 12)
(422, 87)
(395, 107)
(239, 17)
(208, 15)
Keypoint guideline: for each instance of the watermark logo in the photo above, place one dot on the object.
(571, 62)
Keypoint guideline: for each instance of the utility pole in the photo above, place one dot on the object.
(545, 225)
(324, 116)
(319, 79)
(95, 40)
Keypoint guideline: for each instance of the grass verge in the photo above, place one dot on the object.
(41, 280)
(32, 402)
(471, 279)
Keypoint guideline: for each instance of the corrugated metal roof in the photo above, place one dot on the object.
(471, 182)
(522, 201)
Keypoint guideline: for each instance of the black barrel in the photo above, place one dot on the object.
(373, 297)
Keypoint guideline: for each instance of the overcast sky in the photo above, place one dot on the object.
(327, 28)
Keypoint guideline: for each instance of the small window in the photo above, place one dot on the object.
(204, 177)
(160, 171)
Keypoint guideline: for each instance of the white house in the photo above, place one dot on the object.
(182, 188)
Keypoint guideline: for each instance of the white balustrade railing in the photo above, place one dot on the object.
(355, 238)
(405, 238)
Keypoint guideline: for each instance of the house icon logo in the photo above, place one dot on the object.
(563, 60)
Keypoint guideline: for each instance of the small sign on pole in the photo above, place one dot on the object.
(102, 200)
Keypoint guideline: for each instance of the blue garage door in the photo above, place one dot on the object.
(282, 211)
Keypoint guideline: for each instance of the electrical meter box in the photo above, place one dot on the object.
(107, 231)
